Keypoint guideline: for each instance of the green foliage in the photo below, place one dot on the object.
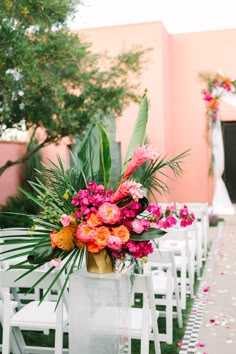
(50, 78)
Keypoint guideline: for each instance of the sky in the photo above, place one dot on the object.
(178, 16)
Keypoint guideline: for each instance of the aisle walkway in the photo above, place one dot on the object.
(212, 325)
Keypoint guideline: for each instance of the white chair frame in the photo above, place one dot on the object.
(32, 316)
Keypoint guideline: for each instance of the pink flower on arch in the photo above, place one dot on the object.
(141, 154)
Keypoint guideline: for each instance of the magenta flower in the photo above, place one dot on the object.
(155, 209)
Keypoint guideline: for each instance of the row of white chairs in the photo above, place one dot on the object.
(167, 280)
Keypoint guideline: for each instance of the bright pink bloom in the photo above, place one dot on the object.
(65, 220)
(183, 213)
(155, 209)
(128, 188)
(139, 249)
(114, 243)
(140, 155)
(109, 213)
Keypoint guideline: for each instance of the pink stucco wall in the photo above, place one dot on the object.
(176, 110)
(12, 176)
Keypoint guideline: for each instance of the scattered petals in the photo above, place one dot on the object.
(180, 344)
(201, 345)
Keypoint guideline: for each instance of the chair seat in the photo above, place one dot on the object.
(35, 315)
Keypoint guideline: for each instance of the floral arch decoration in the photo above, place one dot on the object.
(218, 87)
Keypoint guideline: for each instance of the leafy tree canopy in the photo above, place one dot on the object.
(50, 78)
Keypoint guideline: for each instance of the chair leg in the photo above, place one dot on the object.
(6, 321)
(59, 329)
(169, 310)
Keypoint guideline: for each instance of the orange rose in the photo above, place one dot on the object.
(101, 236)
(122, 232)
(93, 248)
(94, 220)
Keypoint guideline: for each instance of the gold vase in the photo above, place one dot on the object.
(99, 263)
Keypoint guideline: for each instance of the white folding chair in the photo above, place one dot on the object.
(165, 285)
(182, 242)
(32, 316)
(200, 210)
(144, 321)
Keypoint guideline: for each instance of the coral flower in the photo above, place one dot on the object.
(122, 232)
(141, 154)
(64, 239)
(84, 232)
(109, 213)
(128, 188)
(93, 248)
(101, 235)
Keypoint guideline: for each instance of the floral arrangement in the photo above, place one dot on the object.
(216, 85)
(80, 212)
(171, 217)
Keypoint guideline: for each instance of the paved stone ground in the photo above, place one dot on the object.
(212, 325)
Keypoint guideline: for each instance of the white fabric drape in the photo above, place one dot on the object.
(221, 203)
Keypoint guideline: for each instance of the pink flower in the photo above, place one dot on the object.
(183, 213)
(114, 243)
(139, 249)
(55, 262)
(128, 188)
(155, 209)
(65, 220)
(137, 226)
(109, 213)
(140, 155)
(84, 232)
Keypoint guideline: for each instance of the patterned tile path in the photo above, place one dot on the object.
(212, 324)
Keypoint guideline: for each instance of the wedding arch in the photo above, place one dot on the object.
(218, 88)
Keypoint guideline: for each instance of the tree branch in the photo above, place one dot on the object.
(27, 155)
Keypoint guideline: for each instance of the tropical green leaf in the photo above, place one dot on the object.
(151, 234)
(105, 155)
(94, 155)
(43, 253)
(139, 132)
